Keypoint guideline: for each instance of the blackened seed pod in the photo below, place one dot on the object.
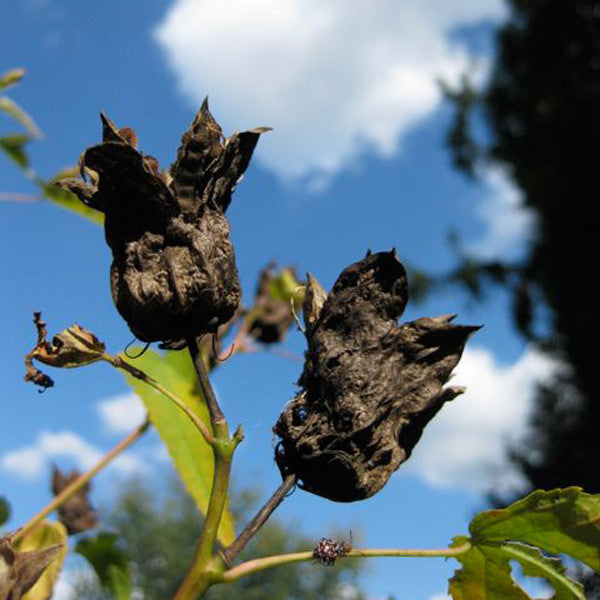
(173, 274)
(369, 386)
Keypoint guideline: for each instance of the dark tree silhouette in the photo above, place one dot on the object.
(542, 106)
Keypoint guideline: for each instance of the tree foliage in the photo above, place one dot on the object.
(158, 532)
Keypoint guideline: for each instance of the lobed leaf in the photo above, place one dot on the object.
(191, 455)
(561, 521)
(486, 573)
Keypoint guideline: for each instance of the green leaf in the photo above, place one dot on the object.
(191, 455)
(285, 286)
(11, 78)
(562, 521)
(14, 147)
(44, 535)
(110, 563)
(68, 200)
(4, 510)
(12, 109)
(486, 573)
(536, 564)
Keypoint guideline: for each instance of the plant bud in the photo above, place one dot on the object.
(369, 386)
(173, 274)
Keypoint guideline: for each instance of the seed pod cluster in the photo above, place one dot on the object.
(173, 274)
(369, 386)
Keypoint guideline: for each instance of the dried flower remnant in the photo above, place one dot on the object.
(369, 386)
(173, 274)
(73, 347)
(76, 514)
(276, 294)
(19, 571)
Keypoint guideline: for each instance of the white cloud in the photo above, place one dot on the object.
(63, 588)
(332, 77)
(440, 597)
(464, 445)
(508, 225)
(122, 413)
(29, 462)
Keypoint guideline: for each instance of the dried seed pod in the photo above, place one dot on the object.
(76, 514)
(275, 294)
(173, 275)
(369, 386)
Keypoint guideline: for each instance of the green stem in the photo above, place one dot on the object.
(207, 566)
(82, 480)
(119, 363)
(262, 564)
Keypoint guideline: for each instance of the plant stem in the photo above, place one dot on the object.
(207, 566)
(262, 564)
(216, 415)
(259, 519)
(119, 363)
(74, 486)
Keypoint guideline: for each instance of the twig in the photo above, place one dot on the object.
(119, 363)
(78, 483)
(216, 415)
(262, 564)
(259, 519)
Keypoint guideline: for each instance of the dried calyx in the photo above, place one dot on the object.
(277, 294)
(369, 386)
(76, 514)
(19, 571)
(173, 274)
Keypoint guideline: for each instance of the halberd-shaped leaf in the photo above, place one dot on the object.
(173, 274)
(369, 386)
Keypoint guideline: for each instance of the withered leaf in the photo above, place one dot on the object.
(72, 347)
(173, 274)
(314, 298)
(369, 386)
(19, 571)
(76, 514)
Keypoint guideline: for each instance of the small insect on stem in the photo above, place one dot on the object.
(327, 551)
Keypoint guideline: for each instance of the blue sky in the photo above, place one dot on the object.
(355, 161)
